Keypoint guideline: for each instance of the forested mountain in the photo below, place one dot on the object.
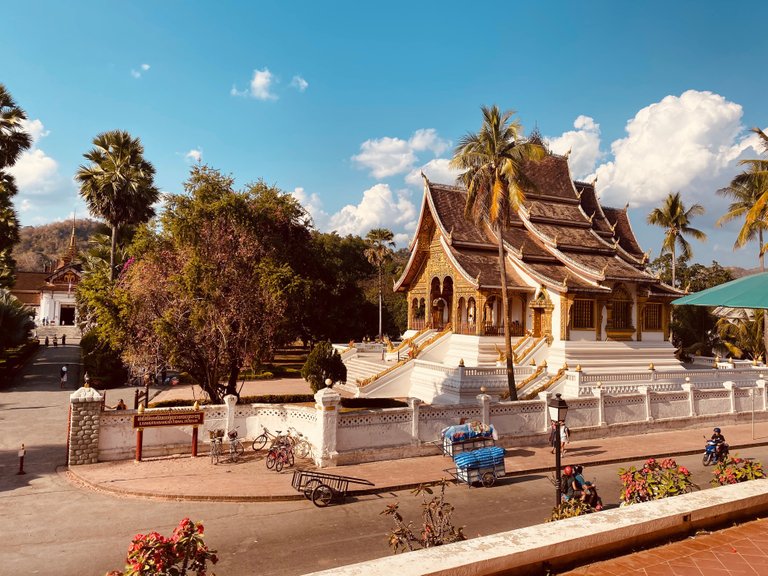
(41, 246)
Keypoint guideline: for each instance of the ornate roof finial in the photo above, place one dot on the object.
(450, 236)
(594, 182)
(592, 217)
(477, 279)
(567, 154)
(565, 280)
(613, 226)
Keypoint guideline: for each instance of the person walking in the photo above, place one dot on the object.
(564, 434)
(63, 376)
(63, 339)
(55, 341)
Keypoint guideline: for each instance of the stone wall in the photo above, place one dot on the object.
(84, 426)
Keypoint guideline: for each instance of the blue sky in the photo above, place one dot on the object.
(344, 103)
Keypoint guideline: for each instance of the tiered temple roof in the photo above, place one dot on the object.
(561, 236)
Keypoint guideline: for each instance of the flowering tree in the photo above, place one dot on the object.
(654, 481)
(155, 555)
(735, 470)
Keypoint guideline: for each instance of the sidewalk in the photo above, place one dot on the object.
(186, 478)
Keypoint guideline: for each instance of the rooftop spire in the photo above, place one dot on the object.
(72, 250)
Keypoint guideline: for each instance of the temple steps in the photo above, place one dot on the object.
(608, 356)
(361, 367)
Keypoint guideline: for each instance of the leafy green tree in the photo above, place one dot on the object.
(693, 327)
(323, 363)
(746, 191)
(16, 321)
(13, 141)
(118, 184)
(209, 290)
(379, 251)
(492, 161)
(741, 333)
(676, 221)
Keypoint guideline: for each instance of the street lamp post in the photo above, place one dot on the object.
(558, 409)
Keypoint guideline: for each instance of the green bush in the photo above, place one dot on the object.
(654, 481)
(323, 363)
(99, 359)
(359, 403)
(735, 470)
(569, 509)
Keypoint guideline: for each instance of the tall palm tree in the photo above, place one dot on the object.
(118, 184)
(676, 220)
(380, 242)
(13, 141)
(746, 190)
(492, 160)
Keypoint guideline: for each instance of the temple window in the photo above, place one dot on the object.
(583, 315)
(652, 317)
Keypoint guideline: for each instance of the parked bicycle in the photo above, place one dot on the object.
(280, 455)
(216, 437)
(236, 448)
(266, 436)
(301, 446)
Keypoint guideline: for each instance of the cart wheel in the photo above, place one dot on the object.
(488, 479)
(309, 488)
(322, 496)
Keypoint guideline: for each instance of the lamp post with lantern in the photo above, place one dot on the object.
(558, 409)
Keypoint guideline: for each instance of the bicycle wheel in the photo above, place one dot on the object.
(214, 452)
(259, 442)
(279, 462)
(233, 455)
(322, 496)
(271, 459)
(239, 448)
(302, 449)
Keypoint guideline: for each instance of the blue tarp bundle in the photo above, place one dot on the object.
(464, 432)
(481, 458)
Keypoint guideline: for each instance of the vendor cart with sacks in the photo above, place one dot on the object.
(476, 457)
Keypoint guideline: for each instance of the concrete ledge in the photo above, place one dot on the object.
(574, 540)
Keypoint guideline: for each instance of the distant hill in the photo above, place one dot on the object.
(741, 272)
(41, 246)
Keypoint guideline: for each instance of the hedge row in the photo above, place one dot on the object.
(361, 403)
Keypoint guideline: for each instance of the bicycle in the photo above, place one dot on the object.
(266, 436)
(280, 455)
(301, 445)
(216, 437)
(236, 448)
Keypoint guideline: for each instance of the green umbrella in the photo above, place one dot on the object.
(746, 292)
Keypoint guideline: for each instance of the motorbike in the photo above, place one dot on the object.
(711, 455)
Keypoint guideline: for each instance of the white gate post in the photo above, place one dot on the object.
(414, 404)
(485, 408)
(728, 385)
(326, 403)
(645, 390)
(230, 401)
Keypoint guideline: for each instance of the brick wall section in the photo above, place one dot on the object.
(84, 427)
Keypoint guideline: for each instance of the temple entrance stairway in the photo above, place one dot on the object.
(72, 333)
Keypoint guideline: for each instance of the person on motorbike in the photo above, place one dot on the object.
(719, 441)
(572, 488)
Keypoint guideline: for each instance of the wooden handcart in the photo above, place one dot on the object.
(322, 488)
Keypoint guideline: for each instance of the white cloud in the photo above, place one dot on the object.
(194, 155)
(390, 156)
(686, 143)
(35, 172)
(378, 208)
(299, 83)
(583, 144)
(437, 170)
(137, 73)
(260, 87)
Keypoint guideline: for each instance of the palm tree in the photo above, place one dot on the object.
(16, 320)
(118, 185)
(742, 334)
(13, 139)
(493, 160)
(746, 190)
(676, 220)
(380, 243)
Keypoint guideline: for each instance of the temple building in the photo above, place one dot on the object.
(575, 271)
(51, 294)
(581, 300)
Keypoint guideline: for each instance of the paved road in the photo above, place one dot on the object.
(52, 528)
